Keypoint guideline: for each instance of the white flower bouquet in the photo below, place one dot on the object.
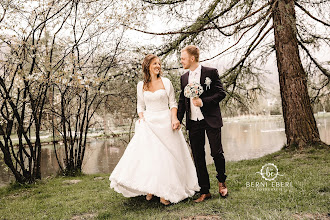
(193, 90)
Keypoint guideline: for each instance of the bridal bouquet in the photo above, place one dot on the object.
(193, 90)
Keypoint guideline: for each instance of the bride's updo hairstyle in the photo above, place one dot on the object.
(146, 70)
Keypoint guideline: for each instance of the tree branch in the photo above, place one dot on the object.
(228, 47)
(243, 18)
(250, 27)
(325, 83)
(201, 21)
(205, 28)
(159, 2)
(323, 70)
(3, 16)
(310, 15)
(252, 46)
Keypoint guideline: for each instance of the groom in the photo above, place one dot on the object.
(203, 114)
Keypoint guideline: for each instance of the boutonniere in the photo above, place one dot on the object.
(208, 83)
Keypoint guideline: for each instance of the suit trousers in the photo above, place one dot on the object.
(197, 143)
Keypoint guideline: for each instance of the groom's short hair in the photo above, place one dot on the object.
(193, 51)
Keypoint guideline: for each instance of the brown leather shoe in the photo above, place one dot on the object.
(203, 197)
(223, 191)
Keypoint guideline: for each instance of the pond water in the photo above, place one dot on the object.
(242, 138)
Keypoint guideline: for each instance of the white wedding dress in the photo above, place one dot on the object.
(157, 159)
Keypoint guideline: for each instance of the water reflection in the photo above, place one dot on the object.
(102, 156)
(247, 140)
(241, 138)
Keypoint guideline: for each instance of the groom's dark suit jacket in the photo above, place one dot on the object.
(210, 97)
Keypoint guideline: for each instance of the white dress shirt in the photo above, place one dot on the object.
(195, 76)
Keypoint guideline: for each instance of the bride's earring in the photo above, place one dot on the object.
(149, 197)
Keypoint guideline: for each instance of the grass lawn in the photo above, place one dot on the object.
(304, 194)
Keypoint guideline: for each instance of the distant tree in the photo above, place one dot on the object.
(293, 25)
(55, 62)
(25, 79)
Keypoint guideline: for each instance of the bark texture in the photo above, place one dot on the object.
(300, 125)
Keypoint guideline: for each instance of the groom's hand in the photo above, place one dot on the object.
(197, 102)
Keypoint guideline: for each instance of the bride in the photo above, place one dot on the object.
(156, 161)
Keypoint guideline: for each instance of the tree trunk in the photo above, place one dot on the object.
(300, 125)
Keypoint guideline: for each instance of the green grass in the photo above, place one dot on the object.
(308, 198)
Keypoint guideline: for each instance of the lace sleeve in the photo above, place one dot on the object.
(171, 98)
(140, 106)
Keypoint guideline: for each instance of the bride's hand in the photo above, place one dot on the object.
(141, 117)
(176, 124)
